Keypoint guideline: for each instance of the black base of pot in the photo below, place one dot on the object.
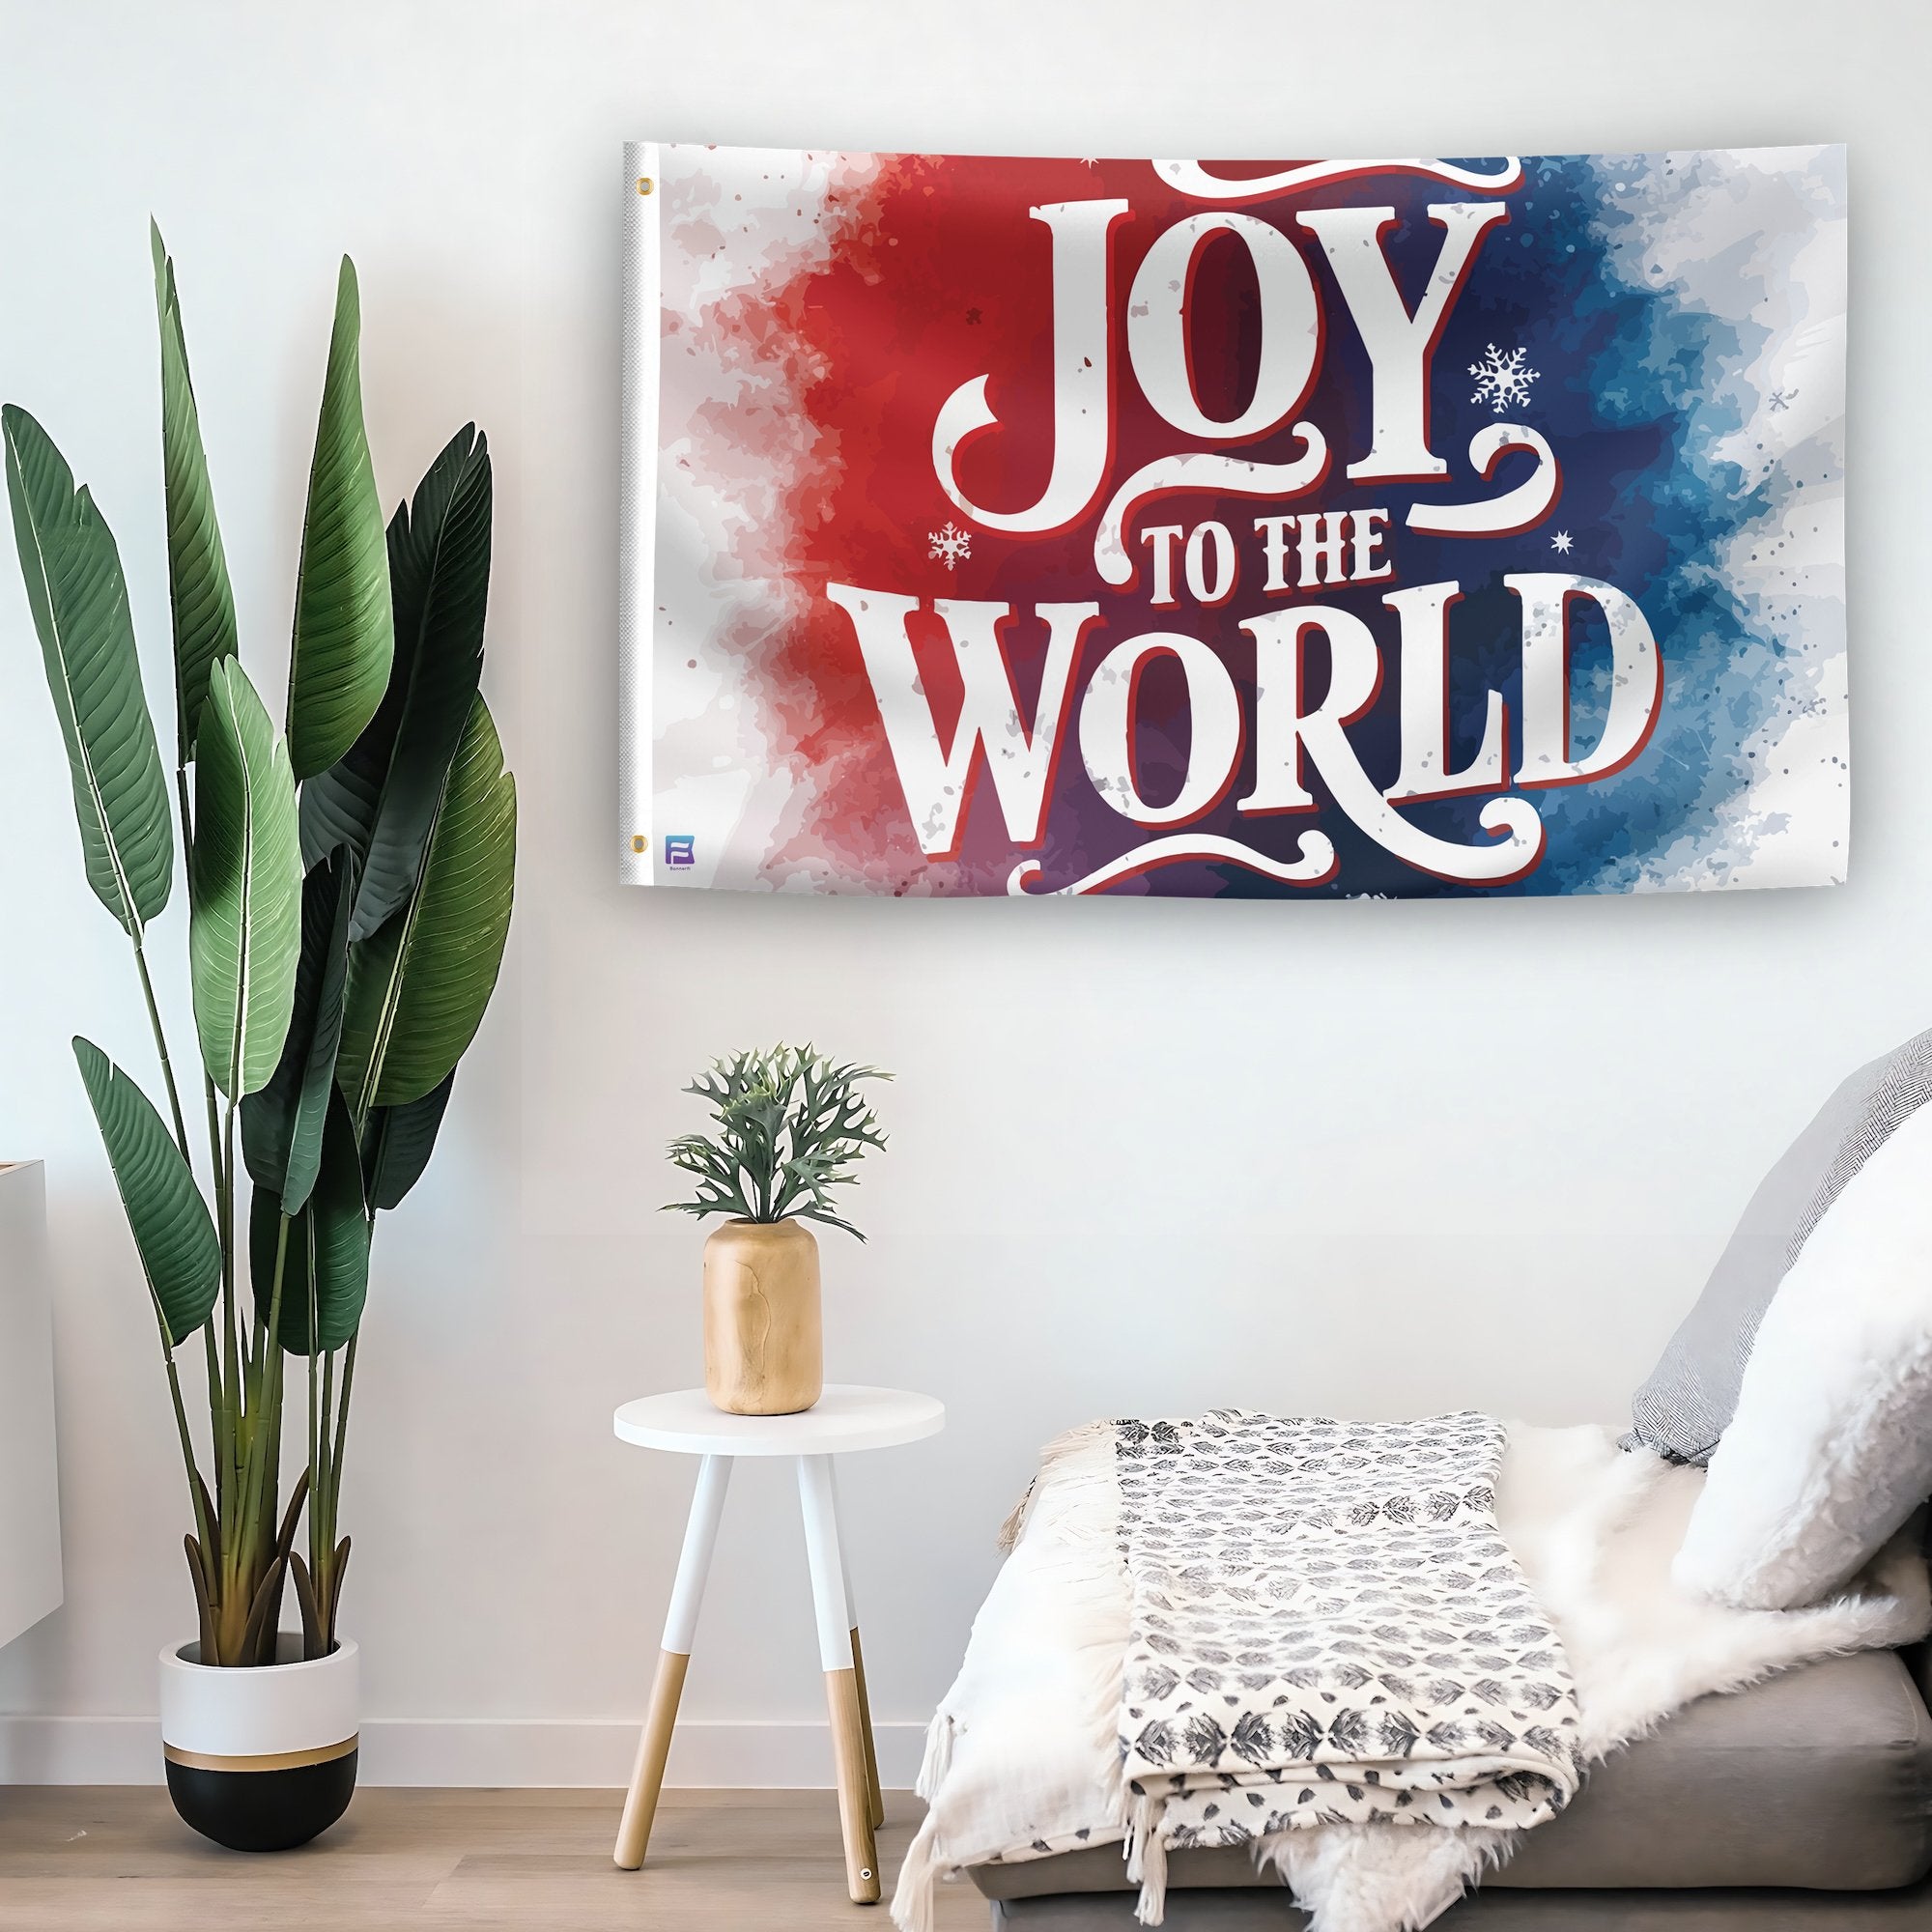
(262, 1810)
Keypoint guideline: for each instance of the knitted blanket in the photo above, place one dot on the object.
(1325, 1626)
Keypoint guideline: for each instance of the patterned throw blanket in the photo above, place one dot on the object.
(1326, 1627)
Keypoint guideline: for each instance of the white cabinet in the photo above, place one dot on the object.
(30, 1558)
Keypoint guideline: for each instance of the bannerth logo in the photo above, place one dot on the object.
(680, 851)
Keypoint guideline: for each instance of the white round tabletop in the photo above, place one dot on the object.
(844, 1418)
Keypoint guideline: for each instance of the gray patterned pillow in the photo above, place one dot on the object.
(1691, 1394)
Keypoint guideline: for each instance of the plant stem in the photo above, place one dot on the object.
(323, 1541)
(162, 1048)
(231, 1360)
(218, 1435)
(342, 1414)
(194, 1486)
(235, 1419)
(221, 1433)
(316, 1435)
(268, 1409)
(242, 1567)
(322, 1516)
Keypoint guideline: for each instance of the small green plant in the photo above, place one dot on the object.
(792, 1128)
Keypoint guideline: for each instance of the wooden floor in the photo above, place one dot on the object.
(76, 1860)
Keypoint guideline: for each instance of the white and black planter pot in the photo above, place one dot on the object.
(264, 1759)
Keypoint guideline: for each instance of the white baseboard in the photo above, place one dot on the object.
(479, 1751)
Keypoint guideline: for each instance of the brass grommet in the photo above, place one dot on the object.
(637, 841)
(644, 184)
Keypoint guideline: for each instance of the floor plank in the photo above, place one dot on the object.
(101, 1858)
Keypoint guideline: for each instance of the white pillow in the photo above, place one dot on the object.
(1831, 1448)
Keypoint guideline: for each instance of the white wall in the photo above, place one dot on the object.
(1372, 1158)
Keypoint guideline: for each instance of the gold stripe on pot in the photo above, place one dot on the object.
(266, 1761)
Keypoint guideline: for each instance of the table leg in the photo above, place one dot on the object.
(694, 1563)
(820, 1511)
(876, 1796)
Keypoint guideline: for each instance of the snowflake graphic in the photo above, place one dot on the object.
(949, 545)
(1501, 380)
(1560, 543)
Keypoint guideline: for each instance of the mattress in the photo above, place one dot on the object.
(1489, 1910)
(1820, 1779)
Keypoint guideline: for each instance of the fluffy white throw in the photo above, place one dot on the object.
(1023, 1756)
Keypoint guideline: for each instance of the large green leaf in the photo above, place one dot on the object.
(244, 886)
(80, 601)
(418, 988)
(198, 589)
(173, 1233)
(380, 797)
(281, 1126)
(344, 635)
(325, 1264)
(398, 1142)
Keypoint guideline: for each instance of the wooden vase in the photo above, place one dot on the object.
(764, 1350)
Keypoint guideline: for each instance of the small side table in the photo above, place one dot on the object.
(845, 1418)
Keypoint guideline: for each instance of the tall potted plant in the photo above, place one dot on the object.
(348, 883)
